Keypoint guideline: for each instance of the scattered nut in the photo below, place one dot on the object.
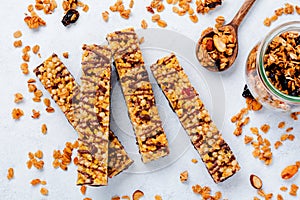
(255, 181)
(18, 97)
(137, 195)
(289, 172)
(184, 176)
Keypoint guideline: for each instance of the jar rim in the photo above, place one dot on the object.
(285, 27)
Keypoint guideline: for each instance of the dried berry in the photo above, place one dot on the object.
(70, 17)
(247, 93)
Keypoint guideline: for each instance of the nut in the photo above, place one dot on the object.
(255, 181)
(289, 172)
(219, 44)
(184, 176)
(137, 195)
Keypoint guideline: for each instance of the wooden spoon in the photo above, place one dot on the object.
(202, 53)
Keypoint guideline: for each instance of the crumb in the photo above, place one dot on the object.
(39, 154)
(35, 49)
(47, 102)
(247, 139)
(44, 191)
(35, 182)
(85, 8)
(18, 98)
(35, 114)
(105, 16)
(194, 160)
(24, 68)
(44, 129)
(66, 54)
(17, 34)
(265, 128)
(281, 125)
(293, 190)
(10, 173)
(83, 189)
(184, 176)
(277, 144)
(144, 24)
(18, 43)
(17, 113)
(31, 80)
(50, 109)
(158, 197)
(283, 188)
(289, 129)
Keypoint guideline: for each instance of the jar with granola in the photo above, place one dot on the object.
(273, 68)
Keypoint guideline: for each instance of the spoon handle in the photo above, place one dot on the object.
(238, 18)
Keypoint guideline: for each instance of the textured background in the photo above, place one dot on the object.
(18, 138)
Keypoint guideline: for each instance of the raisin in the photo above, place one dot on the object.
(70, 17)
(297, 40)
(247, 93)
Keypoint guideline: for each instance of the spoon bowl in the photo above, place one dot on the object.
(217, 49)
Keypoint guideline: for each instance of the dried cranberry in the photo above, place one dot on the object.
(247, 93)
(70, 17)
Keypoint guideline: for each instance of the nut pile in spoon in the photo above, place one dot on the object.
(216, 48)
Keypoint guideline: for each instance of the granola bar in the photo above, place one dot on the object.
(94, 113)
(137, 90)
(204, 135)
(62, 78)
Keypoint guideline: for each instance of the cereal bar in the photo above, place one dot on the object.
(61, 78)
(93, 114)
(204, 135)
(139, 97)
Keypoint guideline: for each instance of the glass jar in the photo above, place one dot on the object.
(261, 86)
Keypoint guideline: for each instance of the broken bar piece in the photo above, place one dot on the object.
(61, 78)
(203, 133)
(139, 97)
(94, 115)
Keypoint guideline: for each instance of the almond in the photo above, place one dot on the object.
(289, 172)
(137, 195)
(219, 44)
(255, 181)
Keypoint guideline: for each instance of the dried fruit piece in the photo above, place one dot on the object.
(70, 17)
(289, 171)
(255, 181)
(137, 195)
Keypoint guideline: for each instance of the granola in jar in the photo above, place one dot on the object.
(272, 68)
